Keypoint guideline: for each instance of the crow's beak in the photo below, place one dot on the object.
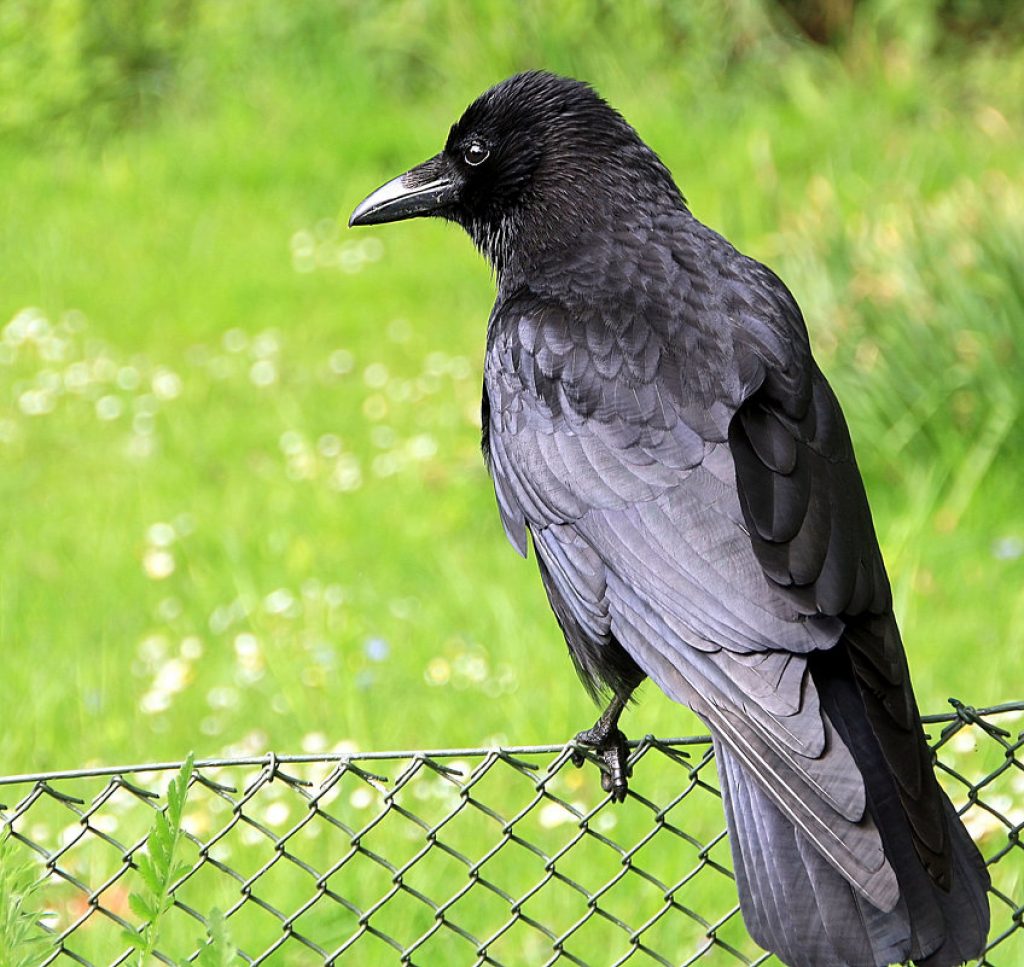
(424, 190)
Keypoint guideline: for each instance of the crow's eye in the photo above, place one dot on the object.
(476, 154)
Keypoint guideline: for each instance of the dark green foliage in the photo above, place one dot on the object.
(86, 66)
(70, 68)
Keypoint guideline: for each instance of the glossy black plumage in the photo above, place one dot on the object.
(656, 427)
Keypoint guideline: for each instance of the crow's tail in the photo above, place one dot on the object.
(796, 904)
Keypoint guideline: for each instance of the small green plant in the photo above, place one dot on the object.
(21, 939)
(159, 866)
(218, 950)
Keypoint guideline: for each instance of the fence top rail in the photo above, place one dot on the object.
(965, 713)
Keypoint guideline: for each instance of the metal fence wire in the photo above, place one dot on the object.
(504, 856)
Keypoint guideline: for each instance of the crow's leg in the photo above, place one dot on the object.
(609, 746)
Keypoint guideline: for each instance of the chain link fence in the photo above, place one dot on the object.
(467, 856)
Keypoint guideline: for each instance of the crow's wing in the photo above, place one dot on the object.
(810, 528)
(691, 493)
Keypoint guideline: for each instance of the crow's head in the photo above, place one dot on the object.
(532, 162)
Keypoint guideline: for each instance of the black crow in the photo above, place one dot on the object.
(656, 426)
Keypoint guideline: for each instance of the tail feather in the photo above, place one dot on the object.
(776, 896)
(797, 904)
(949, 912)
(860, 933)
(966, 905)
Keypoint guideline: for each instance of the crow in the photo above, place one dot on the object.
(656, 426)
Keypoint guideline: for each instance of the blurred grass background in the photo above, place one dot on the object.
(241, 495)
(243, 505)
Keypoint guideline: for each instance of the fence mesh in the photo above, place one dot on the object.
(473, 856)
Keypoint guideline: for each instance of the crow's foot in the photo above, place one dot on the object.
(609, 745)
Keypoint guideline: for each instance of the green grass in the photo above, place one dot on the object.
(243, 505)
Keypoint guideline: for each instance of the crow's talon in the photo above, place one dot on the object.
(610, 748)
